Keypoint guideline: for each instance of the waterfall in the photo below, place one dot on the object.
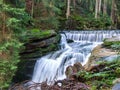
(52, 66)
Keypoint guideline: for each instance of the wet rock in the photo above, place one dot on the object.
(69, 41)
(100, 53)
(68, 84)
(69, 71)
(72, 70)
(116, 86)
(95, 67)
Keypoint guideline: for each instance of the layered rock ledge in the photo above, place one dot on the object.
(35, 47)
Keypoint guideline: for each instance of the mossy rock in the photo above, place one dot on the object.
(110, 41)
(40, 34)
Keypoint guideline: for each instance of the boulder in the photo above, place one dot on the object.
(72, 70)
(70, 41)
(100, 53)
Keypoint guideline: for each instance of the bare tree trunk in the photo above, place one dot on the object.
(32, 11)
(105, 7)
(99, 7)
(96, 8)
(113, 11)
(68, 9)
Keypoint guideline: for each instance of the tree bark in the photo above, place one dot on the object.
(32, 11)
(105, 7)
(114, 12)
(99, 6)
(68, 9)
(96, 8)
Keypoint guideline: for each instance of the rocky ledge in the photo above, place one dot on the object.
(35, 47)
(104, 52)
(100, 53)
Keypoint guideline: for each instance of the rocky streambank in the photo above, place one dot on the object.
(35, 47)
(101, 72)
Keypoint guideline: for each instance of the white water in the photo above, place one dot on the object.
(52, 66)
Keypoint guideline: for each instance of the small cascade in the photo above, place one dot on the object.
(52, 66)
(91, 36)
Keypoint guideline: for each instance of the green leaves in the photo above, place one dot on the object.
(103, 77)
(15, 21)
(116, 46)
(88, 22)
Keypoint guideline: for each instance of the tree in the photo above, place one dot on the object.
(68, 9)
(97, 8)
(113, 11)
(105, 7)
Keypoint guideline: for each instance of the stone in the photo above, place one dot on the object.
(95, 67)
(116, 86)
(72, 70)
(34, 49)
(100, 53)
(69, 41)
(116, 81)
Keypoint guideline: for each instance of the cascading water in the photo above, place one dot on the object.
(52, 66)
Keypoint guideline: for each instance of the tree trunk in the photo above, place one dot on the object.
(68, 9)
(113, 11)
(96, 8)
(99, 6)
(105, 7)
(32, 11)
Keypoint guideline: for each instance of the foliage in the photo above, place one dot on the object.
(47, 16)
(39, 34)
(115, 45)
(13, 24)
(9, 53)
(89, 22)
(100, 78)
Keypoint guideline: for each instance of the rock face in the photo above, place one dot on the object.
(72, 70)
(100, 53)
(103, 52)
(34, 49)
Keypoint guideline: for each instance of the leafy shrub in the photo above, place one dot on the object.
(116, 46)
(105, 76)
(13, 22)
(9, 57)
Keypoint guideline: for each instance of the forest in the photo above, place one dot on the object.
(21, 21)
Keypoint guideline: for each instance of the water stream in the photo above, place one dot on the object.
(52, 66)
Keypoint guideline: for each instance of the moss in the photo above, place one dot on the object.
(39, 34)
(109, 43)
